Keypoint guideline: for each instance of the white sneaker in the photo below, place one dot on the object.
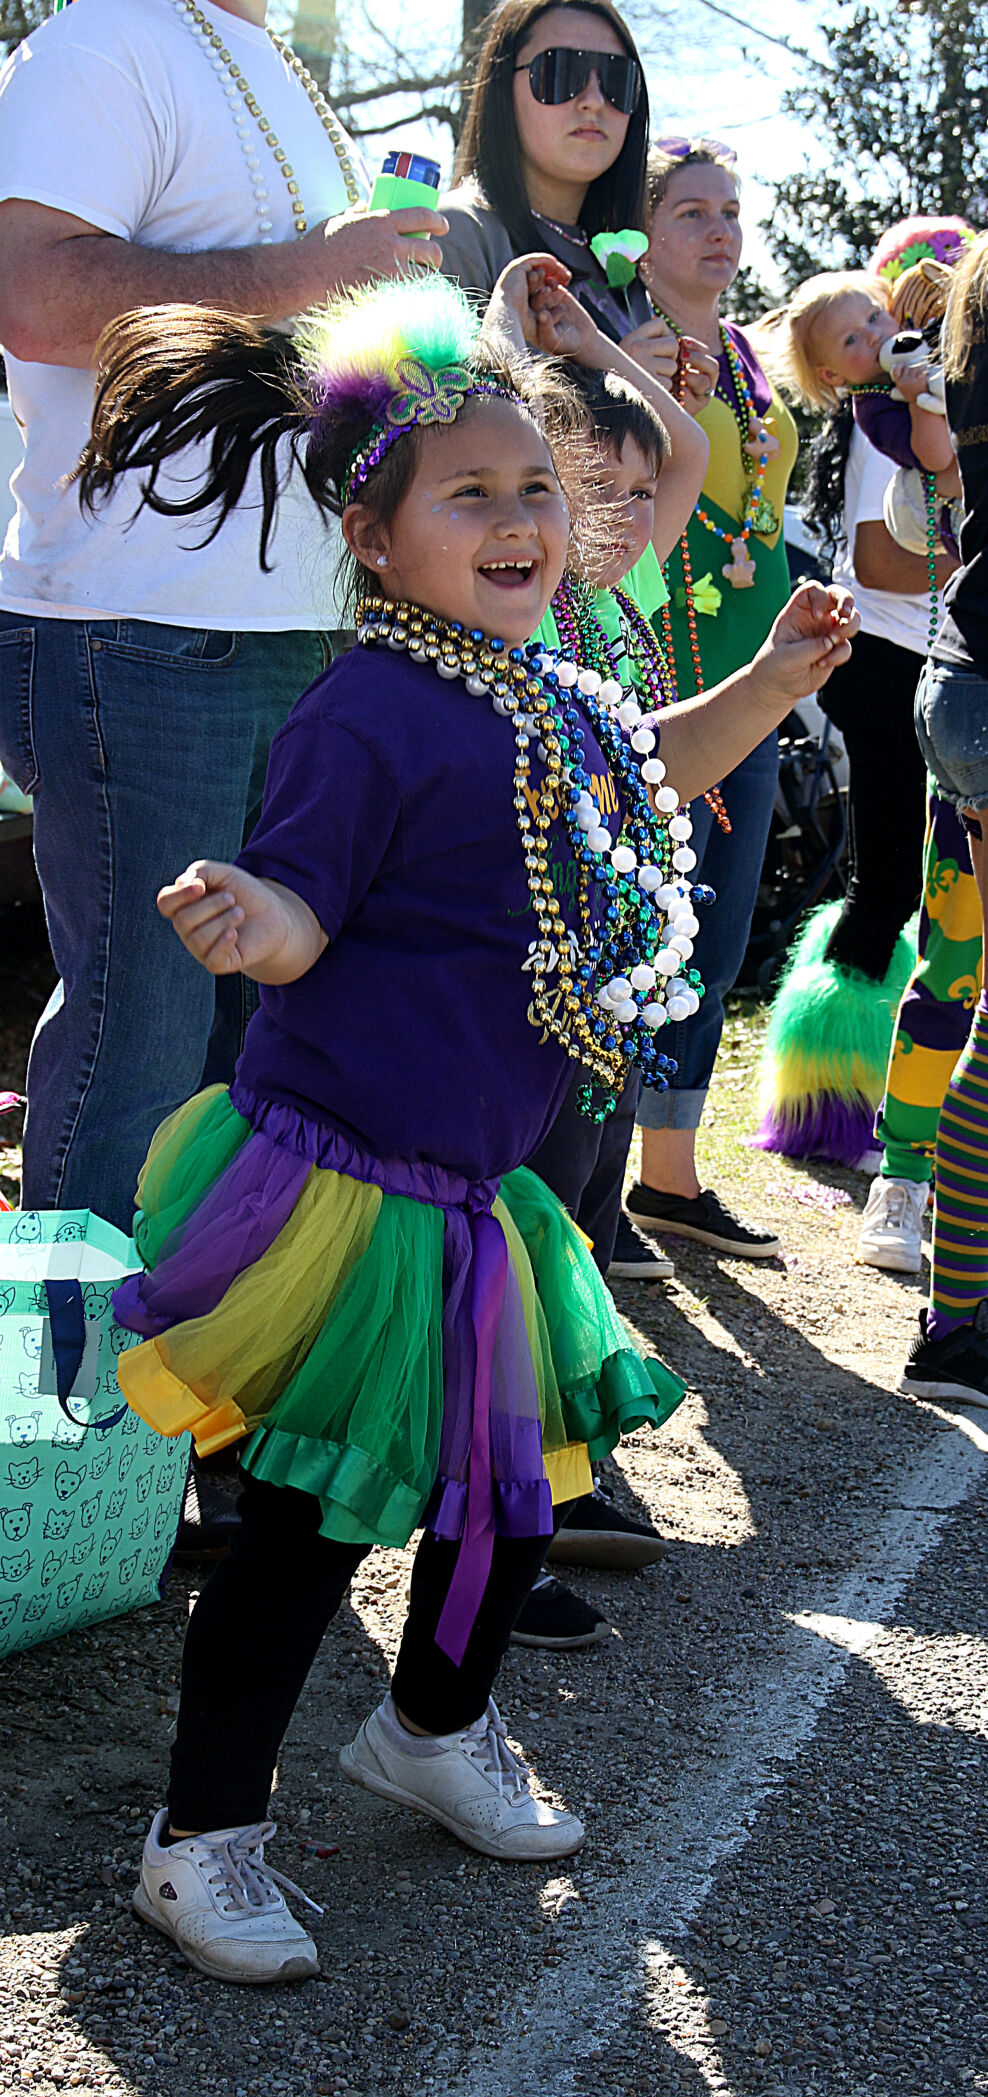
(471, 1782)
(891, 1236)
(219, 1901)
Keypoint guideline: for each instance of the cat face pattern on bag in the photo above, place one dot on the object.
(88, 1513)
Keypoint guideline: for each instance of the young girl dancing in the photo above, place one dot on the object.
(328, 1257)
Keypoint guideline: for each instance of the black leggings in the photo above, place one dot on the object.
(870, 701)
(256, 1629)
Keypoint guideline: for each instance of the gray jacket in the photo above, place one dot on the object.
(478, 247)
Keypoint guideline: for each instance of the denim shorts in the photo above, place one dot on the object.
(952, 725)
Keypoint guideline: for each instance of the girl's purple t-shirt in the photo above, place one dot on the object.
(389, 808)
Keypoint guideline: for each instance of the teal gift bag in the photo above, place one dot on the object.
(90, 1499)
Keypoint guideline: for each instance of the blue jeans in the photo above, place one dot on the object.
(145, 747)
(951, 716)
(732, 864)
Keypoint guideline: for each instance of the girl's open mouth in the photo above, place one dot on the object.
(507, 575)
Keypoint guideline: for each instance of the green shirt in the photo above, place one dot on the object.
(644, 584)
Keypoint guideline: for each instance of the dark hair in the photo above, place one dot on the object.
(490, 149)
(826, 467)
(169, 377)
(661, 167)
(616, 411)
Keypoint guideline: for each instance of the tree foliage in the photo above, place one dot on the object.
(898, 118)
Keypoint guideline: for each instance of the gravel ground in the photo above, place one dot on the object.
(780, 1753)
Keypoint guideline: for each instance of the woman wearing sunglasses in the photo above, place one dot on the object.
(727, 581)
(553, 152)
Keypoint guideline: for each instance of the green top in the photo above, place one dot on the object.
(730, 639)
(644, 583)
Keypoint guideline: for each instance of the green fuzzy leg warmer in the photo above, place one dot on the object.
(822, 1068)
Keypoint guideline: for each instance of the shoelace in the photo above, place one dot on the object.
(897, 1201)
(246, 1882)
(501, 1762)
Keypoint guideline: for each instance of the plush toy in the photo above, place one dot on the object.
(909, 348)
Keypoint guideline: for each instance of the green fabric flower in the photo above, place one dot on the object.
(619, 255)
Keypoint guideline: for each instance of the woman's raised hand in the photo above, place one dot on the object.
(700, 373)
(810, 638)
(655, 346)
(229, 920)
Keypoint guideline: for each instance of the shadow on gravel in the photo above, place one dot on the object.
(416, 1954)
(841, 1950)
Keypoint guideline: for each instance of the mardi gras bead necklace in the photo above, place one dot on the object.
(603, 990)
(652, 662)
(243, 104)
(584, 639)
(932, 541)
(756, 446)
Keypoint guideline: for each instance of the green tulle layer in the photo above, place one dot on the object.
(329, 1346)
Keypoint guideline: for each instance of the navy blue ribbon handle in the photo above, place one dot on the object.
(67, 1318)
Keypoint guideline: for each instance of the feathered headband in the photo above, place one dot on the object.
(402, 353)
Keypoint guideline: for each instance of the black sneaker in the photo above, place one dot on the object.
(705, 1218)
(596, 1533)
(634, 1259)
(954, 1367)
(209, 1520)
(554, 1617)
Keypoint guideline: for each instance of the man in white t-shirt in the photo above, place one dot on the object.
(151, 152)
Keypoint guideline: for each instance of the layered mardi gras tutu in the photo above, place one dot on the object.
(822, 1067)
(406, 1345)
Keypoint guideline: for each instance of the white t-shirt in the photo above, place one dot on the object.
(114, 111)
(890, 614)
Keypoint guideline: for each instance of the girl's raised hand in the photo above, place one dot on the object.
(516, 299)
(566, 329)
(228, 920)
(810, 638)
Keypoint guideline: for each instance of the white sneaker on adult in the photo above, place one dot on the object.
(471, 1782)
(222, 1905)
(891, 1234)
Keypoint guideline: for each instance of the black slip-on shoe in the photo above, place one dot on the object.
(705, 1218)
(554, 1617)
(596, 1533)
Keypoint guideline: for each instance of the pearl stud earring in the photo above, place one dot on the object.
(382, 560)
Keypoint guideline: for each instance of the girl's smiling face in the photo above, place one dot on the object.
(626, 488)
(695, 235)
(482, 532)
(846, 337)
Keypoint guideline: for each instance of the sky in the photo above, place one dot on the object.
(707, 73)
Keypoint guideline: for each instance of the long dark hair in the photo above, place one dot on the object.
(490, 149)
(826, 467)
(172, 377)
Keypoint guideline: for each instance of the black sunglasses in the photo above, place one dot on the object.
(560, 74)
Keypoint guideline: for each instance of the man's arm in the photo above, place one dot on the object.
(62, 280)
(881, 564)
